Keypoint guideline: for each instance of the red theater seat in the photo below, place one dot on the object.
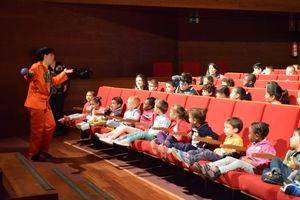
(261, 83)
(142, 94)
(103, 92)
(191, 67)
(248, 112)
(161, 86)
(162, 69)
(253, 185)
(293, 94)
(267, 77)
(218, 111)
(233, 75)
(197, 102)
(290, 78)
(114, 92)
(173, 99)
(257, 94)
(282, 120)
(289, 85)
(127, 93)
(159, 95)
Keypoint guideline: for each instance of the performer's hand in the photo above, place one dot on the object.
(68, 71)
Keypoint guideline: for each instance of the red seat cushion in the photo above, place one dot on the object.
(282, 120)
(103, 92)
(253, 185)
(282, 196)
(218, 111)
(231, 179)
(197, 102)
(248, 112)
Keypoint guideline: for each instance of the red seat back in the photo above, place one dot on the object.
(114, 92)
(261, 83)
(127, 93)
(289, 85)
(282, 120)
(267, 77)
(197, 102)
(103, 92)
(257, 94)
(159, 95)
(293, 94)
(142, 94)
(161, 87)
(191, 67)
(233, 75)
(162, 69)
(290, 78)
(173, 99)
(218, 111)
(248, 112)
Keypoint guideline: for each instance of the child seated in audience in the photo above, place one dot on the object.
(257, 68)
(200, 128)
(208, 80)
(87, 110)
(268, 70)
(279, 170)
(132, 113)
(213, 71)
(161, 122)
(249, 80)
(170, 87)
(147, 119)
(141, 82)
(275, 94)
(290, 70)
(239, 93)
(178, 131)
(258, 132)
(293, 185)
(208, 90)
(96, 111)
(87, 106)
(115, 108)
(153, 85)
(228, 82)
(185, 86)
(222, 92)
(296, 66)
(232, 128)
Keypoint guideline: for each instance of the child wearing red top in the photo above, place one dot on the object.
(178, 132)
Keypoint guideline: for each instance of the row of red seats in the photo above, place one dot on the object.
(282, 71)
(257, 94)
(289, 85)
(281, 118)
(235, 75)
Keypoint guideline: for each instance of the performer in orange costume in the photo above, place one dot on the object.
(42, 124)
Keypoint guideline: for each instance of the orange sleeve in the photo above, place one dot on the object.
(60, 78)
(33, 70)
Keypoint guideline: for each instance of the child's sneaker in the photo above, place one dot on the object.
(181, 156)
(291, 189)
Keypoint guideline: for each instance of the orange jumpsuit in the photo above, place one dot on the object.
(42, 123)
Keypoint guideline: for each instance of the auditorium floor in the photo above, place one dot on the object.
(118, 173)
